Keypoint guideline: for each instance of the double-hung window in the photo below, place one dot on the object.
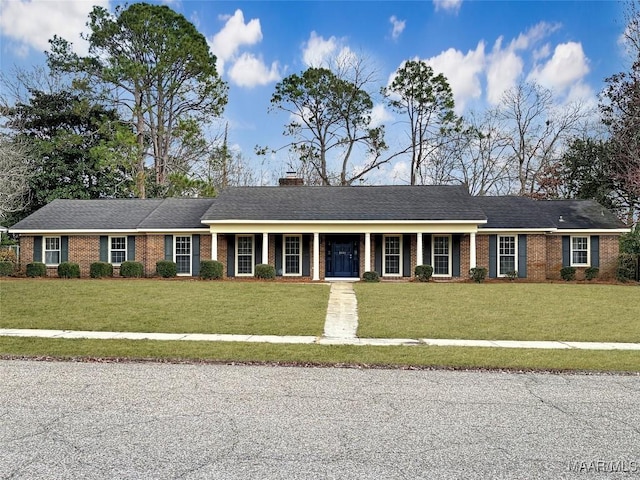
(442, 255)
(117, 250)
(292, 255)
(392, 255)
(579, 251)
(244, 255)
(52, 250)
(507, 254)
(183, 254)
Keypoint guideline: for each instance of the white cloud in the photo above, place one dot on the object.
(226, 43)
(534, 35)
(317, 51)
(567, 66)
(379, 116)
(504, 69)
(249, 71)
(448, 5)
(30, 24)
(398, 27)
(462, 71)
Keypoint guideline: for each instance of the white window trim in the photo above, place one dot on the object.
(384, 256)
(253, 255)
(571, 250)
(126, 249)
(433, 256)
(515, 263)
(284, 256)
(44, 251)
(175, 254)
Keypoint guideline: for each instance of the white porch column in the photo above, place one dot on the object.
(316, 256)
(265, 248)
(419, 260)
(472, 250)
(367, 252)
(214, 246)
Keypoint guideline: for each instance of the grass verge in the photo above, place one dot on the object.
(420, 356)
(260, 308)
(500, 311)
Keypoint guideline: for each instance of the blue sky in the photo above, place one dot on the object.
(483, 47)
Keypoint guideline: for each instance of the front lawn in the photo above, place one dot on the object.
(500, 311)
(173, 306)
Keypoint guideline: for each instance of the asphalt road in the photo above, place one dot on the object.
(148, 421)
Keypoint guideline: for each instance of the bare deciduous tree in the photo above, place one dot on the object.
(15, 171)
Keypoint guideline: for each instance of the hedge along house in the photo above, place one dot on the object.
(323, 233)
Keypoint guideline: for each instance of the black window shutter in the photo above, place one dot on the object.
(168, 247)
(64, 248)
(131, 248)
(37, 249)
(195, 255)
(522, 256)
(278, 245)
(104, 248)
(406, 255)
(566, 250)
(378, 254)
(231, 255)
(595, 251)
(426, 250)
(306, 256)
(455, 255)
(493, 256)
(257, 249)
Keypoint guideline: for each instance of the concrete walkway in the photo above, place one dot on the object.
(342, 312)
(75, 334)
(340, 328)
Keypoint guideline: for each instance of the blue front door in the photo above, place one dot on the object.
(342, 258)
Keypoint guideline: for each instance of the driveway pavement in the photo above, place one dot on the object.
(139, 421)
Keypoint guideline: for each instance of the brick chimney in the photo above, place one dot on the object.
(291, 180)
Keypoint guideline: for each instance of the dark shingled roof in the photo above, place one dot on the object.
(513, 212)
(579, 214)
(116, 214)
(345, 203)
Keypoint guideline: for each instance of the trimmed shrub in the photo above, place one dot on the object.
(627, 264)
(423, 272)
(131, 269)
(478, 274)
(211, 269)
(511, 275)
(6, 268)
(166, 268)
(568, 273)
(371, 277)
(591, 273)
(36, 269)
(265, 271)
(69, 270)
(100, 270)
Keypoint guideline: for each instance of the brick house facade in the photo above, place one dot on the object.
(318, 233)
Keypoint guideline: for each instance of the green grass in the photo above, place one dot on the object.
(164, 306)
(457, 357)
(500, 311)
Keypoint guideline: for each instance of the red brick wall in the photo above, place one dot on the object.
(465, 256)
(536, 257)
(482, 251)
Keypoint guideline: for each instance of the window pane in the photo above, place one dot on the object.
(507, 246)
(118, 243)
(441, 265)
(118, 256)
(52, 257)
(441, 245)
(393, 264)
(580, 257)
(52, 243)
(392, 245)
(245, 255)
(507, 264)
(579, 243)
(183, 245)
(245, 245)
(292, 255)
(244, 264)
(183, 263)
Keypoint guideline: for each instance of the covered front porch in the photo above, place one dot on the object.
(345, 251)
